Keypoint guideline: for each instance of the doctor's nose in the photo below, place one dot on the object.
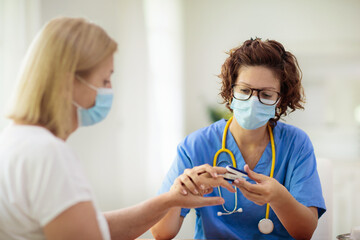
(255, 92)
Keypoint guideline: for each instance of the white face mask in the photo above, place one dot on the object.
(97, 113)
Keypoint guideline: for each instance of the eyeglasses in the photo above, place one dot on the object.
(244, 93)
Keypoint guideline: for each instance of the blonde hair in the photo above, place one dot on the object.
(65, 47)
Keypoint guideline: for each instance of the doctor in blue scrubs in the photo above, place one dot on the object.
(281, 198)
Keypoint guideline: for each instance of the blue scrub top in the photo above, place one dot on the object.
(295, 168)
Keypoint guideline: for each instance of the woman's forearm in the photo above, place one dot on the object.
(169, 226)
(131, 222)
(300, 221)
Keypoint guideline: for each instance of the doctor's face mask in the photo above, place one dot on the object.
(252, 114)
(97, 113)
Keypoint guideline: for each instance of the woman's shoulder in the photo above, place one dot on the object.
(31, 132)
(35, 151)
(290, 133)
(31, 142)
(286, 128)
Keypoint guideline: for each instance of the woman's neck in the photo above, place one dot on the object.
(251, 143)
(247, 137)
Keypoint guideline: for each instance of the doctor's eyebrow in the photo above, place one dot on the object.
(250, 86)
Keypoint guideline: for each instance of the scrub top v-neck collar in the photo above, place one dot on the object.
(263, 166)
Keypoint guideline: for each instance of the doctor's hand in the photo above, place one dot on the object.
(265, 190)
(202, 179)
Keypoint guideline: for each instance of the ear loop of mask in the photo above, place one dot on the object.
(86, 83)
(78, 107)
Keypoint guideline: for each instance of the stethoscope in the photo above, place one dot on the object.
(265, 225)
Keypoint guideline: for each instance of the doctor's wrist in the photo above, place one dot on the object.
(282, 197)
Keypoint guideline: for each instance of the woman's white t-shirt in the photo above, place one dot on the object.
(40, 177)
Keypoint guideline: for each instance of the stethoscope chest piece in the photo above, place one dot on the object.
(266, 226)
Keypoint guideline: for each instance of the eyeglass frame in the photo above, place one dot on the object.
(258, 95)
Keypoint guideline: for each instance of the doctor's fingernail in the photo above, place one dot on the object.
(196, 192)
(202, 186)
(184, 192)
(237, 181)
(215, 174)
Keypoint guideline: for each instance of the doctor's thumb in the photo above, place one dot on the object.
(253, 175)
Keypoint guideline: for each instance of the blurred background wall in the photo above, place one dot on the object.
(170, 52)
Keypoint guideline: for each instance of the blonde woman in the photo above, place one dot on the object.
(64, 84)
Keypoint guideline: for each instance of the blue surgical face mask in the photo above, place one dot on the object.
(97, 113)
(252, 114)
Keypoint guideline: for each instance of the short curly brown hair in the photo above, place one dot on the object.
(270, 54)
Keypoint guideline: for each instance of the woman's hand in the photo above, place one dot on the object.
(200, 180)
(182, 198)
(266, 189)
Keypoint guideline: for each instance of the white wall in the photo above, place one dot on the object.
(19, 22)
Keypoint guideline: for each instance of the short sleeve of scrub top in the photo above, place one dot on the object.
(295, 168)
